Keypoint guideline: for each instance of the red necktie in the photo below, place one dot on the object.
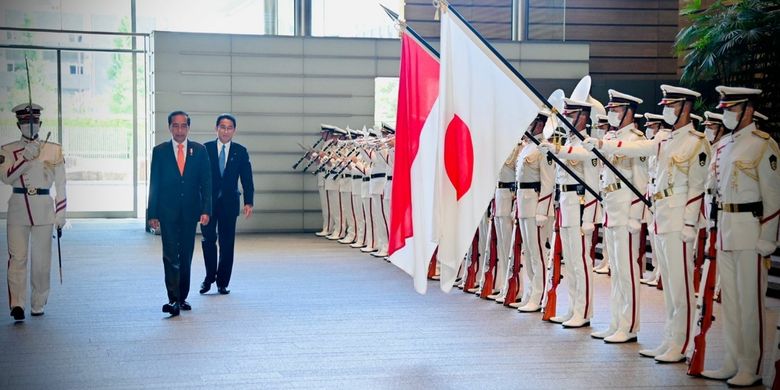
(180, 159)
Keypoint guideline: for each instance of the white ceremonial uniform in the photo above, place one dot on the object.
(504, 221)
(535, 175)
(356, 204)
(662, 134)
(681, 169)
(622, 223)
(347, 216)
(334, 201)
(746, 172)
(377, 191)
(577, 210)
(31, 214)
(324, 206)
(367, 240)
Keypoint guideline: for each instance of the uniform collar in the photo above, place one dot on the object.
(622, 131)
(745, 130)
(683, 130)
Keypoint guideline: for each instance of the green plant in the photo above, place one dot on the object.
(735, 43)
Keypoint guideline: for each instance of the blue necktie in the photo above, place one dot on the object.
(222, 160)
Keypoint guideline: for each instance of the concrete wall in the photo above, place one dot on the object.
(282, 88)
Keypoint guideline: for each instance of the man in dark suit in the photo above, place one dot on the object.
(179, 198)
(229, 162)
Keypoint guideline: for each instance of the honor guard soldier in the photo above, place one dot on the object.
(387, 148)
(622, 221)
(577, 211)
(31, 166)
(326, 132)
(680, 172)
(504, 220)
(599, 131)
(377, 190)
(535, 177)
(654, 126)
(748, 190)
(332, 187)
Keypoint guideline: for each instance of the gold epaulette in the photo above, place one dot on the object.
(638, 132)
(697, 133)
(761, 134)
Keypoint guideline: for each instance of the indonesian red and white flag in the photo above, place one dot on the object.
(485, 110)
(411, 211)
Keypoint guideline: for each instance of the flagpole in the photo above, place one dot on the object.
(546, 103)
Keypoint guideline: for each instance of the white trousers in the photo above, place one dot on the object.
(577, 272)
(347, 216)
(380, 222)
(334, 200)
(38, 240)
(743, 279)
(504, 246)
(325, 209)
(368, 209)
(535, 265)
(676, 261)
(360, 218)
(624, 294)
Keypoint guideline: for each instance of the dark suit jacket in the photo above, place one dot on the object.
(174, 197)
(237, 166)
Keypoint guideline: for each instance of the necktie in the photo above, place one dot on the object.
(222, 160)
(180, 158)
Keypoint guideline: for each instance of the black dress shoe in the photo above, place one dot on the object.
(36, 314)
(184, 305)
(171, 308)
(223, 290)
(18, 313)
(205, 287)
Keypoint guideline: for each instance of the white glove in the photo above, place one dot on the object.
(544, 147)
(634, 226)
(588, 227)
(59, 220)
(541, 220)
(688, 234)
(31, 151)
(765, 248)
(590, 143)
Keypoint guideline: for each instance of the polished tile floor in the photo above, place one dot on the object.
(304, 312)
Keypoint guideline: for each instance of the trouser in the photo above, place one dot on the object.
(347, 217)
(578, 269)
(676, 262)
(325, 207)
(504, 243)
(360, 218)
(380, 222)
(624, 294)
(221, 228)
(484, 244)
(19, 237)
(334, 199)
(178, 243)
(743, 277)
(368, 209)
(534, 238)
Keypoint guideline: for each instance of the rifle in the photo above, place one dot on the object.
(295, 166)
(513, 284)
(473, 267)
(698, 260)
(324, 150)
(705, 300)
(555, 278)
(490, 272)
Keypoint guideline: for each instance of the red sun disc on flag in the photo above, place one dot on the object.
(459, 155)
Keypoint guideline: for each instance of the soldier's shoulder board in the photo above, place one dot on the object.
(638, 132)
(697, 134)
(761, 134)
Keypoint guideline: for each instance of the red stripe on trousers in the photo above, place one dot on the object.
(760, 317)
(341, 217)
(541, 257)
(687, 299)
(587, 277)
(327, 199)
(633, 289)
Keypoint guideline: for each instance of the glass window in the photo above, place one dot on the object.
(90, 15)
(225, 16)
(351, 18)
(385, 100)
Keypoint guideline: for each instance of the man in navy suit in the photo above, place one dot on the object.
(179, 198)
(229, 162)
